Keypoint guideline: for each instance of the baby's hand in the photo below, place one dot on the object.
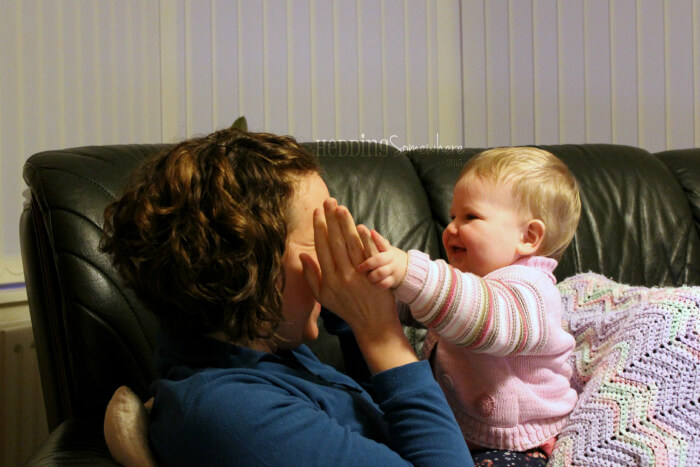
(386, 264)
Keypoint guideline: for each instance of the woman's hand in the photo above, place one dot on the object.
(337, 285)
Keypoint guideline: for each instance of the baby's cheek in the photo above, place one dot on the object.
(444, 238)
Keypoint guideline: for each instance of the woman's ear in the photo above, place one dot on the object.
(533, 236)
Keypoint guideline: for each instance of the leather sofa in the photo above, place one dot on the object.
(639, 225)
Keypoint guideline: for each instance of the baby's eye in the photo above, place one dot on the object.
(471, 217)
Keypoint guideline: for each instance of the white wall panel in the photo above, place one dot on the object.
(431, 43)
(225, 101)
(72, 73)
(369, 63)
(345, 64)
(23, 91)
(11, 148)
(678, 56)
(53, 63)
(394, 70)
(449, 80)
(651, 75)
(696, 69)
(598, 105)
(498, 66)
(88, 71)
(572, 112)
(146, 106)
(474, 77)
(298, 66)
(172, 70)
(323, 79)
(546, 71)
(623, 72)
(522, 73)
(198, 67)
(275, 70)
(416, 53)
(251, 72)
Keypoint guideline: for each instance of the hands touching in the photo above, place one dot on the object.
(334, 279)
(386, 264)
(336, 283)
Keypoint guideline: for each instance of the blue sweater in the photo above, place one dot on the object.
(220, 404)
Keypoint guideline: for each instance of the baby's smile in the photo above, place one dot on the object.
(456, 249)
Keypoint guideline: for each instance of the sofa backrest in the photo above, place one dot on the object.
(636, 222)
(93, 335)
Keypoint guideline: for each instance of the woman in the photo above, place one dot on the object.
(232, 240)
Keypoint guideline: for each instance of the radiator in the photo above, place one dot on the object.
(22, 416)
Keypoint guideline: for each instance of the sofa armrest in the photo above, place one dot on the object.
(74, 442)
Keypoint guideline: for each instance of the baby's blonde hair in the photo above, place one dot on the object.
(540, 183)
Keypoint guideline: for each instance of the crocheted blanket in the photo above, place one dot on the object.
(637, 371)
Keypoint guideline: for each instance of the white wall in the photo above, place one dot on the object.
(469, 72)
(547, 71)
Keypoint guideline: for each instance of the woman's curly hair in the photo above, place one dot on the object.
(201, 229)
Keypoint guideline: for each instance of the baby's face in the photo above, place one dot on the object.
(485, 230)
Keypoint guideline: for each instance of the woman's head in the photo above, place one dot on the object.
(201, 230)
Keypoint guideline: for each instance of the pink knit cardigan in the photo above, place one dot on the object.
(497, 347)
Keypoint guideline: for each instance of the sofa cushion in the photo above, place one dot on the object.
(636, 370)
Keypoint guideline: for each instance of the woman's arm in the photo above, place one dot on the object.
(499, 317)
(354, 362)
(258, 420)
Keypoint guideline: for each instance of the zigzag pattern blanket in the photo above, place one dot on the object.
(637, 371)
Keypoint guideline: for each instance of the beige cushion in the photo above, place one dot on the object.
(126, 429)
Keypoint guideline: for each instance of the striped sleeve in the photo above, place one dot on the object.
(494, 316)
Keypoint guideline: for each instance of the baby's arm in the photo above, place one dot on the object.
(385, 264)
(498, 317)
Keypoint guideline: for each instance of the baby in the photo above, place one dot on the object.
(495, 339)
